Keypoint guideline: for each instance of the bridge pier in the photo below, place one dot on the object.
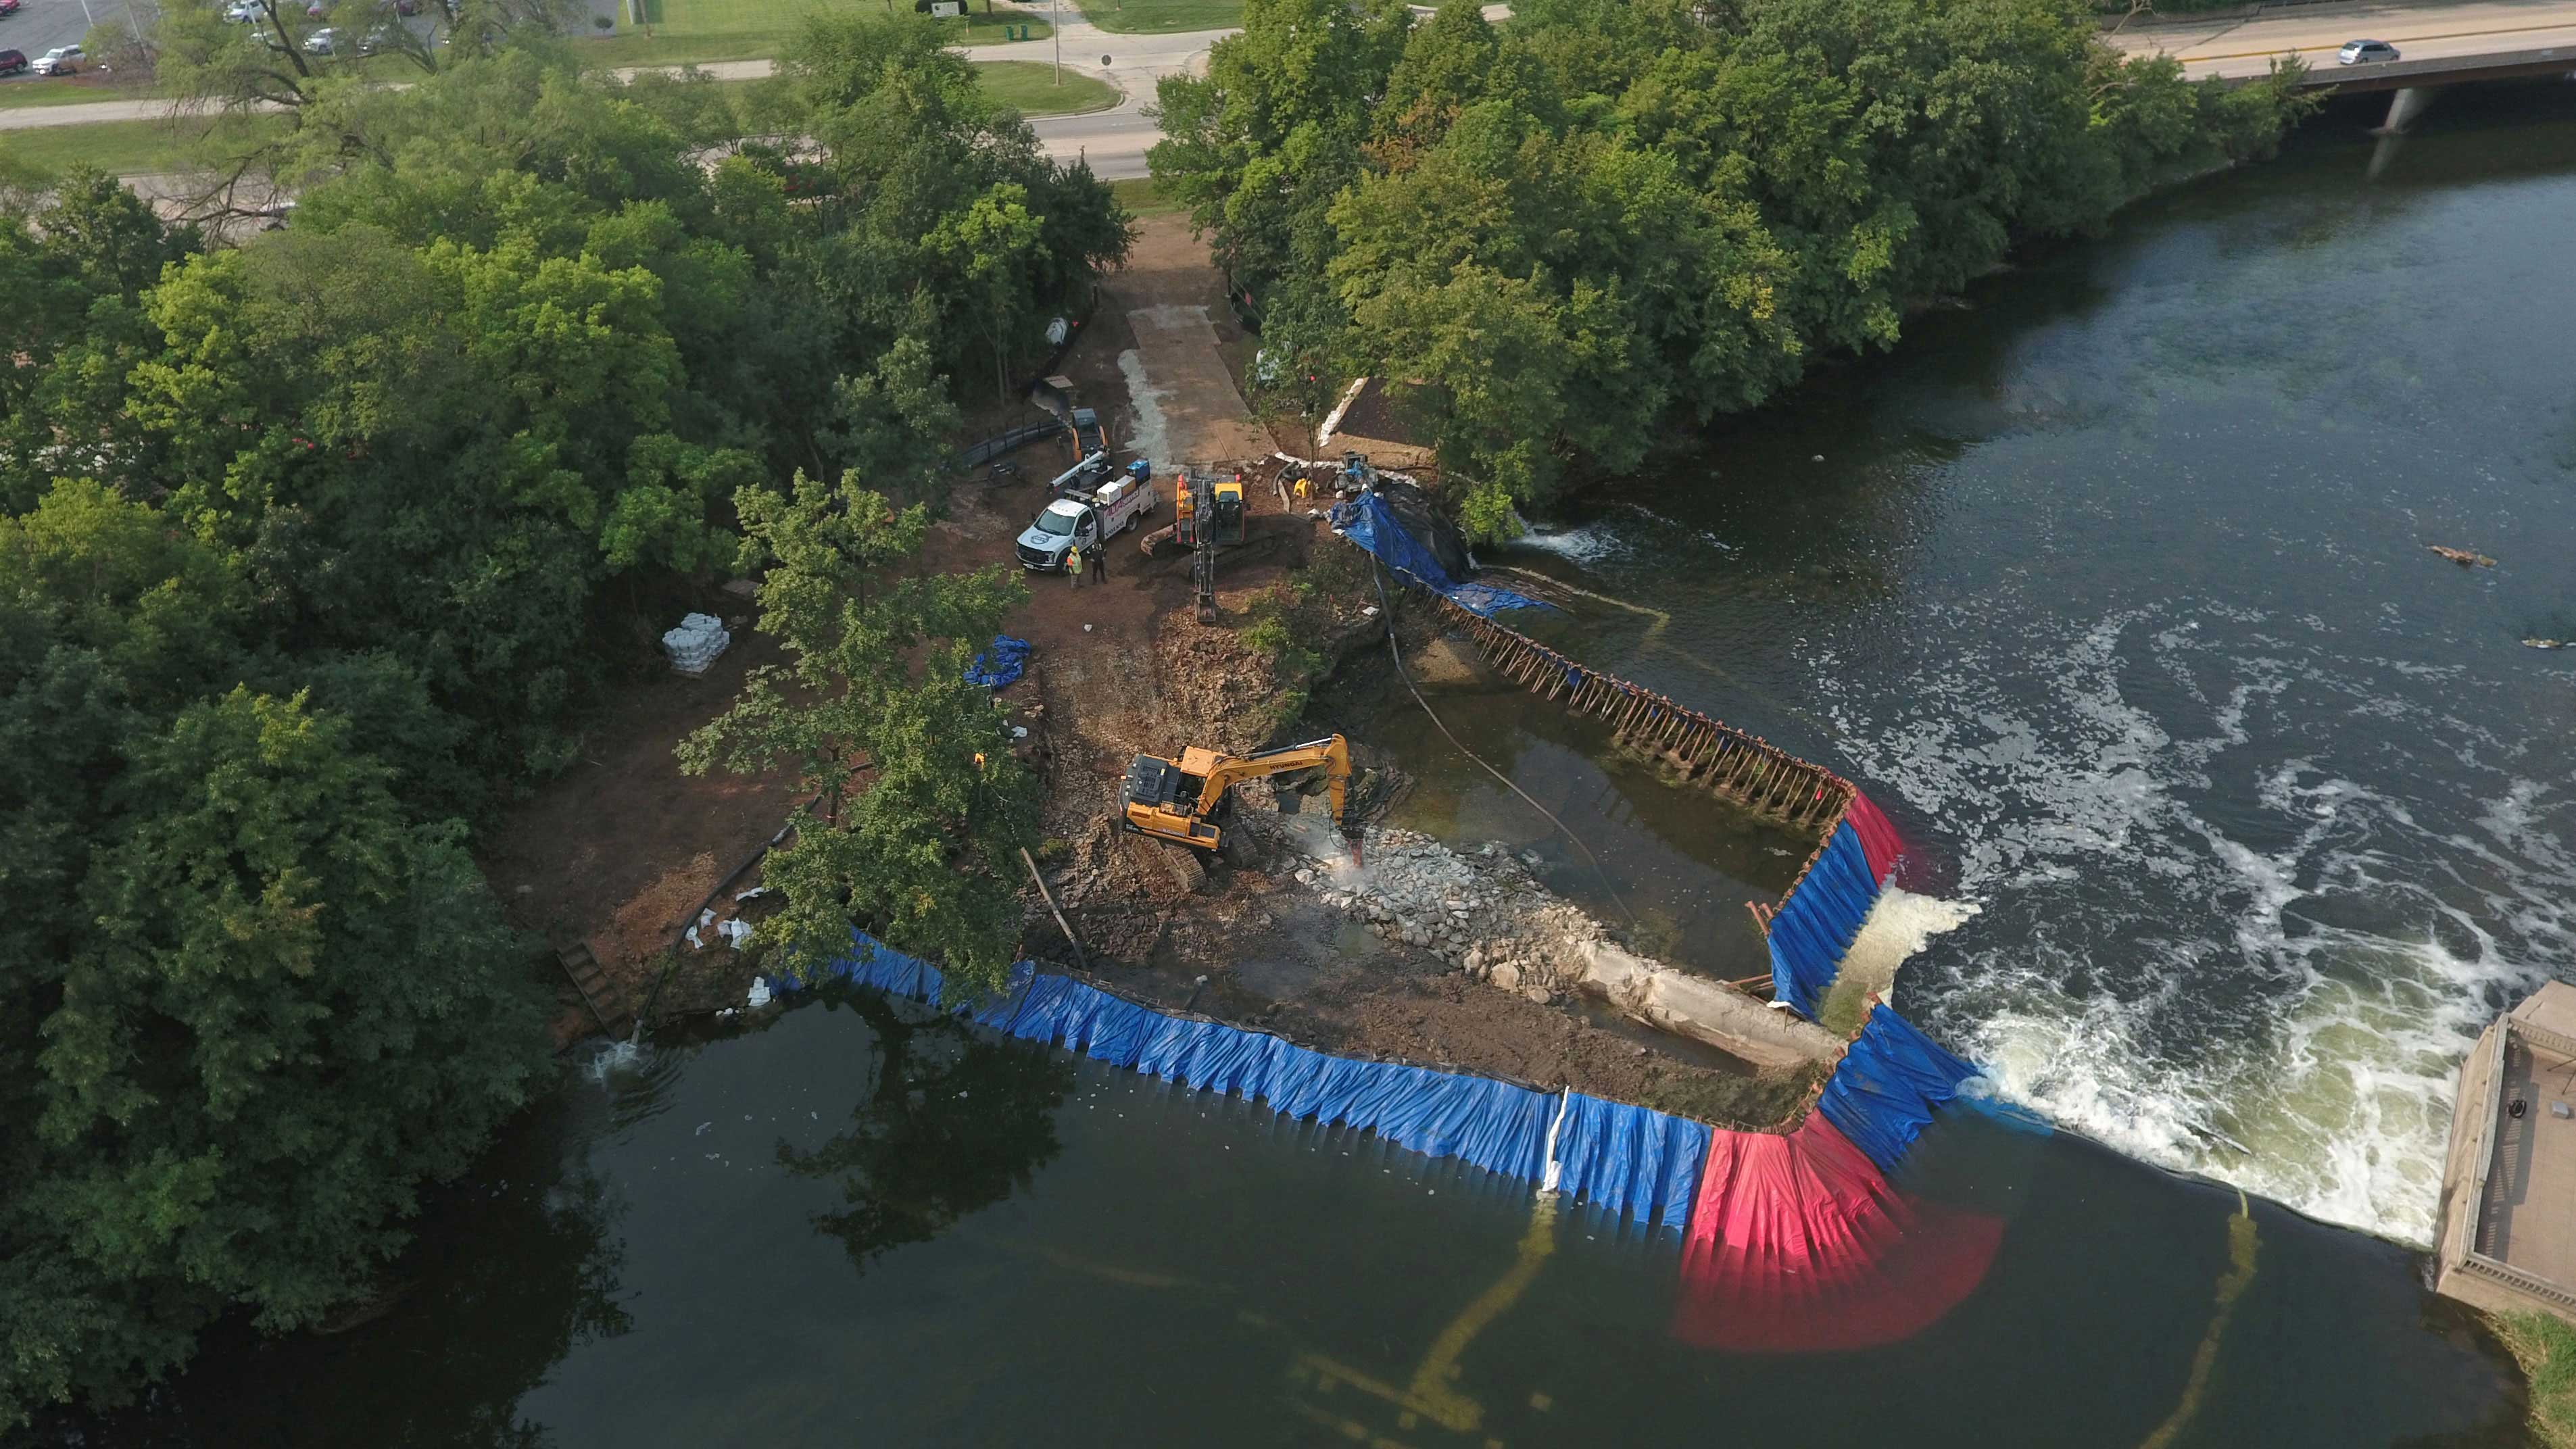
(2408, 104)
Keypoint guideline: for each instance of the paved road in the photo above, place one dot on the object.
(1113, 141)
(2246, 47)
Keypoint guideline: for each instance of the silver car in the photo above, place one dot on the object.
(61, 60)
(2363, 52)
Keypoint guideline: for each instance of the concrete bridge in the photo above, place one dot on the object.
(2438, 45)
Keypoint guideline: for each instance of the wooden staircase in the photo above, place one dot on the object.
(605, 998)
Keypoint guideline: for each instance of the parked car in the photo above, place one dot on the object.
(8, 8)
(61, 60)
(2360, 52)
(384, 37)
(325, 41)
(12, 61)
(242, 12)
(318, 10)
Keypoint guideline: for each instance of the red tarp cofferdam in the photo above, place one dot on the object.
(1797, 1244)
(1878, 838)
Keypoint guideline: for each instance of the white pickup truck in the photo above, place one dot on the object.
(1092, 520)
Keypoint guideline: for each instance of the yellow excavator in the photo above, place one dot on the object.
(1182, 801)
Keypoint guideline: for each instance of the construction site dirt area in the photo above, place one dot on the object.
(621, 851)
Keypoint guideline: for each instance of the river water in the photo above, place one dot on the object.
(2241, 810)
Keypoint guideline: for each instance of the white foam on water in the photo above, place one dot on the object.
(2202, 937)
(1899, 925)
(1589, 544)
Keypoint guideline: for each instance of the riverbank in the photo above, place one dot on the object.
(1282, 942)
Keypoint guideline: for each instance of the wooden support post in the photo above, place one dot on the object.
(1049, 897)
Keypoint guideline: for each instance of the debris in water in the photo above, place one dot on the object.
(2463, 557)
(2545, 643)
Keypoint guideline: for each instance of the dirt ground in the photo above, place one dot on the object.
(622, 850)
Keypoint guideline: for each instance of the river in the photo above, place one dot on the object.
(2240, 809)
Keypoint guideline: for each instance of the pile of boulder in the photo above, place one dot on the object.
(1485, 913)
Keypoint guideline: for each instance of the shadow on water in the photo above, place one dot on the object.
(957, 1121)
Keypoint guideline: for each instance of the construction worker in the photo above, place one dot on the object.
(1099, 563)
(1073, 563)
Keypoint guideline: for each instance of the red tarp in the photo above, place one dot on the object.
(1797, 1244)
(1878, 839)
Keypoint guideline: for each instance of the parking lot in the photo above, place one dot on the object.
(40, 25)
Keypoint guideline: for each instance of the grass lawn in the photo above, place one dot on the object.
(121, 148)
(1030, 85)
(1141, 197)
(1154, 17)
(2546, 1349)
(36, 90)
(686, 31)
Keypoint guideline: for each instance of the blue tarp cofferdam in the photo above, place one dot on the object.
(1000, 665)
(1812, 931)
(1630, 1160)
(1368, 522)
(1891, 1078)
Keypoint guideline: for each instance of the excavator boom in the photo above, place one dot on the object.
(1177, 800)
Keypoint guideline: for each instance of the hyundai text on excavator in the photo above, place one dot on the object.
(1183, 802)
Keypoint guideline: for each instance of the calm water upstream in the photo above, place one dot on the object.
(2111, 586)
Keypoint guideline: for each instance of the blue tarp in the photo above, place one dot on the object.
(1494, 1125)
(1630, 1160)
(1001, 664)
(1890, 1079)
(1627, 1159)
(1811, 932)
(1368, 522)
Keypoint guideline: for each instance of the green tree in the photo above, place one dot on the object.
(1559, 234)
(289, 1005)
(916, 807)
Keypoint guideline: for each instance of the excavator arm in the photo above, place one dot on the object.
(1174, 800)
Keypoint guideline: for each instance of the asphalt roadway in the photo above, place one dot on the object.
(2241, 45)
(1114, 141)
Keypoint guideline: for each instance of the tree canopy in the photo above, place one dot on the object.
(312, 549)
(1557, 234)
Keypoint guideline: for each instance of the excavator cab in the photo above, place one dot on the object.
(1181, 801)
(1225, 524)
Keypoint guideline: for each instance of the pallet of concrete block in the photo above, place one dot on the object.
(696, 643)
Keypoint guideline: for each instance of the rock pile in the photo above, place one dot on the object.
(1483, 912)
(1486, 914)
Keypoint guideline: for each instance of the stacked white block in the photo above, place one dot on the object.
(696, 643)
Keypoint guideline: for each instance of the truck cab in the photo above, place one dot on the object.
(1088, 520)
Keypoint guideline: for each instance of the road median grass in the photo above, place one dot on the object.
(1031, 86)
(123, 148)
(682, 32)
(37, 90)
(1162, 17)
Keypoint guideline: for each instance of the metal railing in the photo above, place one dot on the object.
(2490, 1112)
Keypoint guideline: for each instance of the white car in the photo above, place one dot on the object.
(324, 41)
(2363, 52)
(61, 60)
(244, 12)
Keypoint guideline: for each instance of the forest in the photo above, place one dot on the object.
(1564, 236)
(315, 550)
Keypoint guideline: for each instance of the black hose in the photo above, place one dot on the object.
(1387, 611)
